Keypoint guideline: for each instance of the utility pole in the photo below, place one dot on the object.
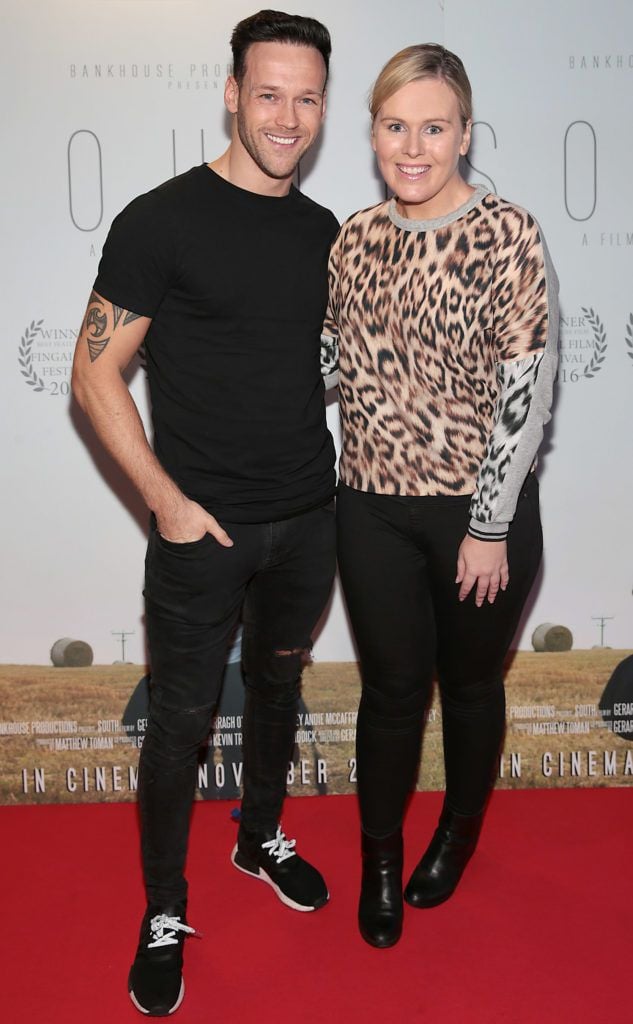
(601, 619)
(122, 633)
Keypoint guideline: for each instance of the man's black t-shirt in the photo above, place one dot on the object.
(236, 286)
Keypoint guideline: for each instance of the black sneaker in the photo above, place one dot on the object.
(155, 982)
(273, 859)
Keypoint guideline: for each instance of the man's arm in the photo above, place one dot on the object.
(108, 339)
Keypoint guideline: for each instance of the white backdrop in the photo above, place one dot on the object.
(107, 98)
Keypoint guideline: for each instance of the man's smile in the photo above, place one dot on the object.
(282, 140)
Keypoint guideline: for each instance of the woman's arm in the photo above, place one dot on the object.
(330, 333)
(526, 336)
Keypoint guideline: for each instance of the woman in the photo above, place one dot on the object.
(444, 302)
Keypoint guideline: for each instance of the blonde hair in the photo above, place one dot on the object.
(424, 60)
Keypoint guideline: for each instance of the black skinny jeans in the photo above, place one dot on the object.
(398, 562)
(278, 576)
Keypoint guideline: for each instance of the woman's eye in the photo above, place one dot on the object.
(433, 129)
(396, 127)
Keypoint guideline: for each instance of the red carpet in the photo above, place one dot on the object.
(539, 931)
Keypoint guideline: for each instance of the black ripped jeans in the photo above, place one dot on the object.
(398, 562)
(278, 576)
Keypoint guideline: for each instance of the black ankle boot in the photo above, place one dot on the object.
(380, 906)
(453, 844)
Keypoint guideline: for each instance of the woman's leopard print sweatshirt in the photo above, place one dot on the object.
(447, 332)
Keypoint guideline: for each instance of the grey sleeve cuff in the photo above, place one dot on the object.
(487, 531)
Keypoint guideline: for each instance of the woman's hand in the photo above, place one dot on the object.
(484, 562)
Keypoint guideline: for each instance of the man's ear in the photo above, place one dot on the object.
(231, 94)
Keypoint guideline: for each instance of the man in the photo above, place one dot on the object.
(221, 272)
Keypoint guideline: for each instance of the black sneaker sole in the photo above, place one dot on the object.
(161, 1013)
(263, 877)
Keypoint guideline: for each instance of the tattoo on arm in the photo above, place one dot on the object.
(96, 325)
(126, 314)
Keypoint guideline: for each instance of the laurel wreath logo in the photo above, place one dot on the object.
(628, 335)
(600, 346)
(25, 359)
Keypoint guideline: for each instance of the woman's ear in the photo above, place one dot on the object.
(465, 146)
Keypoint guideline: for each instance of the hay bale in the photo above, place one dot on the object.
(68, 653)
(550, 637)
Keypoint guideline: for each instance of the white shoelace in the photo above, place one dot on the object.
(164, 928)
(280, 848)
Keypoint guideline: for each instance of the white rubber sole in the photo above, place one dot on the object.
(263, 877)
(181, 996)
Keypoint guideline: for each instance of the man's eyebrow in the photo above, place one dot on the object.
(276, 88)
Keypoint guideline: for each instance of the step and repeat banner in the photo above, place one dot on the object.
(107, 99)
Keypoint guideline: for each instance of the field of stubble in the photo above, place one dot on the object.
(566, 686)
(555, 734)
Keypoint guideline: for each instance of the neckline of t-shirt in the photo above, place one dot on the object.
(437, 222)
(244, 193)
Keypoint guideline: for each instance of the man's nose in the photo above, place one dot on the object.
(287, 115)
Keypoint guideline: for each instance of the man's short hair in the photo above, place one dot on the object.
(277, 27)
